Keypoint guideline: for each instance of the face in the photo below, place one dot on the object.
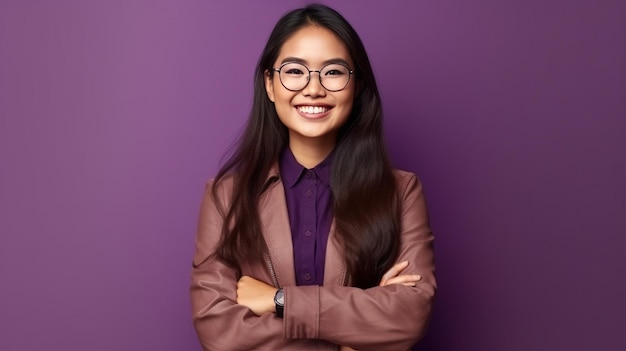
(314, 114)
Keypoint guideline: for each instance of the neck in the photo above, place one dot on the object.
(311, 152)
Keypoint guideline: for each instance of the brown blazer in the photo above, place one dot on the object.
(392, 317)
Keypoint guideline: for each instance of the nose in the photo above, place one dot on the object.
(314, 86)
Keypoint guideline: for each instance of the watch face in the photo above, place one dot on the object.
(280, 297)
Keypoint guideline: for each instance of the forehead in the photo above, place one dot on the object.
(314, 45)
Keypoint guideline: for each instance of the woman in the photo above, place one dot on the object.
(308, 239)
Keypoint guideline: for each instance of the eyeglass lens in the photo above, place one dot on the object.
(296, 76)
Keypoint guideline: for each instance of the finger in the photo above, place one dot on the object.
(396, 269)
(393, 271)
(402, 279)
(407, 282)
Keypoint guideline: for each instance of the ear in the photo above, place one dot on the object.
(269, 85)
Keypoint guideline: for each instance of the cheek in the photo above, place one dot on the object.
(282, 103)
(281, 94)
(347, 102)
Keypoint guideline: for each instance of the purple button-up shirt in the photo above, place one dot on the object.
(309, 203)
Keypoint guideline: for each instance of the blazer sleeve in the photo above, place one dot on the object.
(392, 317)
(221, 323)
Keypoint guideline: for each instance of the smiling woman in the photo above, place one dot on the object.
(308, 238)
(311, 112)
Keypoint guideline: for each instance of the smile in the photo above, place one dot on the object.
(313, 109)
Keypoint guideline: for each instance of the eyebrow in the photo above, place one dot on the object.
(304, 62)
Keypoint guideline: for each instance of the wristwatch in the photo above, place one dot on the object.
(279, 300)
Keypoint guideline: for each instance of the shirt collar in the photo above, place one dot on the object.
(291, 170)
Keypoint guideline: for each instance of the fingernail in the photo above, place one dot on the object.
(418, 277)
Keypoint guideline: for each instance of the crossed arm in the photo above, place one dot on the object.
(259, 296)
(391, 316)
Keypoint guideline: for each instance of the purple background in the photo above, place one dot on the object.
(114, 113)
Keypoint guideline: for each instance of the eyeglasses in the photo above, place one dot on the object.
(296, 76)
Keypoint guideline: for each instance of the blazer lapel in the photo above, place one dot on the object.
(335, 271)
(277, 233)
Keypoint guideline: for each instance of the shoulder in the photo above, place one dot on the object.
(403, 176)
(223, 184)
(223, 188)
(406, 180)
(220, 189)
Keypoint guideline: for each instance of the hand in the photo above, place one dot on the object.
(256, 295)
(392, 276)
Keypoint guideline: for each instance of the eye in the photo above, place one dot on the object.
(294, 71)
(334, 72)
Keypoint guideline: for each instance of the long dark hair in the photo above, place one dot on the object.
(366, 206)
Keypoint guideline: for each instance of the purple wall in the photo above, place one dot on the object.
(114, 113)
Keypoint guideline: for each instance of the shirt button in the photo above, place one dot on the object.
(309, 193)
(307, 277)
(308, 233)
(309, 174)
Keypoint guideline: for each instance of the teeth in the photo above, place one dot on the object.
(312, 109)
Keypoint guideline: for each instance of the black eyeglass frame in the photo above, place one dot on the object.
(319, 75)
